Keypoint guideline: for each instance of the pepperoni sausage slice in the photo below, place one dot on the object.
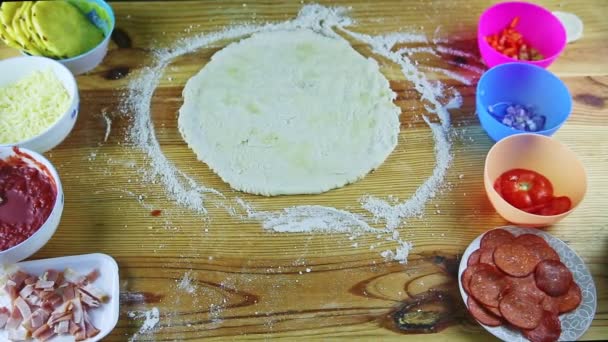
(482, 315)
(469, 271)
(495, 238)
(486, 285)
(553, 277)
(543, 251)
(495, 311)
(550, 304)
(570, 300)
(515, 259)
(521, 310)
(548, 330)
(487, 256)
(528, 285)
(474, 258)
(530, 239)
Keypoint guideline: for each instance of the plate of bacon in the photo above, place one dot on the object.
(73, 298)
(523, 284)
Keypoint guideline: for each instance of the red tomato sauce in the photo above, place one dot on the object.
(27, 197)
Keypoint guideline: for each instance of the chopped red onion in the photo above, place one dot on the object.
(519, 117)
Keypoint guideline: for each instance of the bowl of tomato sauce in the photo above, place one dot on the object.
(533, 180)
(31, 203)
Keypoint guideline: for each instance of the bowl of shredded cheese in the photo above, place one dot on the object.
(38, 103)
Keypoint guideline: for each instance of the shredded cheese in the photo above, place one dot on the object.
(31, 105)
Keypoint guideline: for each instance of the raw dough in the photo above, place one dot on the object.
(289, 112)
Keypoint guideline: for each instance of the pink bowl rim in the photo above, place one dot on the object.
(483, 16)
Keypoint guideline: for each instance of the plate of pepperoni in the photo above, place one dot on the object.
(523, 284)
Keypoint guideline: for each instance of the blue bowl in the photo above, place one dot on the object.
(525, 84)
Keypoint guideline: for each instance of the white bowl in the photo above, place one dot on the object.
(90, 59)
(14, 69)
(32, 244)
(106, 316)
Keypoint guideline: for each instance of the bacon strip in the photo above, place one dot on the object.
(5, 314)
(91, 330)
(26, 291)
(23, 307)
(42, 331)
(39, 317)
(15, 320)
(18, 278)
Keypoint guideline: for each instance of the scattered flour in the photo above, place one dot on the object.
(385, 213)
(151, 319)
(451, 74)
(185, 283)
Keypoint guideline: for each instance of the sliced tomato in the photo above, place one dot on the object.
(524, 188)
(558, 205)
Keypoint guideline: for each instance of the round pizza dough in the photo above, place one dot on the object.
(289, 112)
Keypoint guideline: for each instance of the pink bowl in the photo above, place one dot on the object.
(539, 27)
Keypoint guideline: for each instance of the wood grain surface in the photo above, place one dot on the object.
(251, 284)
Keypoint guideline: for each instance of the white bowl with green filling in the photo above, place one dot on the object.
(100, 14)
(74, 32)
(38, 102)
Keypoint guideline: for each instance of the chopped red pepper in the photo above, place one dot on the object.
(510, 43)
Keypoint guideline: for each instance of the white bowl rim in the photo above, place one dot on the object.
(55, 177)
(73, 99)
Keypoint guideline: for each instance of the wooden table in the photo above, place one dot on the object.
(251, 284)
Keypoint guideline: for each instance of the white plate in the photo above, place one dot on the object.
(574, 323)
(106, 316)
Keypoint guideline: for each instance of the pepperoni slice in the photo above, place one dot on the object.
(548, 330)
(482, 315)
(530, 239)
(474, 258)
(550, 304)
(495, 238)
(515, 259)
(486, 285)
(543, 251)
(527, 285)
(495, 311)
(521, 310)
(570, 300)
(553, 277)
(487, 256)
(469, 271)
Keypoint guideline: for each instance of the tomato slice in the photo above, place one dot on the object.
(524, 188)
(558, 205)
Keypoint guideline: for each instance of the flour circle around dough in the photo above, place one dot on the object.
(289, 112)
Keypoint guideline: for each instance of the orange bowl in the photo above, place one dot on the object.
(544, 155)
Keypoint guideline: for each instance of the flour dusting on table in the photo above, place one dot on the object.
(151, 319)
(376, 215)
(185, 283)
